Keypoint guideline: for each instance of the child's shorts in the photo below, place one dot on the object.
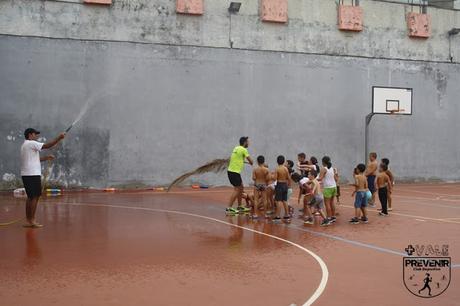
(317, 202)
(360, 199)
(281, 191)
(338, 191)
(330, 192)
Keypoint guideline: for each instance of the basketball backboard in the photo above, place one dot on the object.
(391, 100)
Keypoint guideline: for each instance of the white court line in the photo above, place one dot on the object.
(426, 199)
(154, 192)
(425, 204)
(420, 198)
(322, 264)
(201, 191)
(446, 220)
(354, 242)
(433, 193)
(411, 216)
(301, 227)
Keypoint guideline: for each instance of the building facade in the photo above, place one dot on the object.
(169, 85)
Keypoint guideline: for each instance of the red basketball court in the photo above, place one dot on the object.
(179, 248)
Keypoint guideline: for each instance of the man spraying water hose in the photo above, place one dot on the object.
(31, 170)
(235, 166)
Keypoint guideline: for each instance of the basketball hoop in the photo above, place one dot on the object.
(391, 100)
(388, 101)
(394, 114)
(396, 111)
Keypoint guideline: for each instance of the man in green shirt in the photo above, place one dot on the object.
(239, 155)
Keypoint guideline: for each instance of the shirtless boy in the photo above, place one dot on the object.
(283, 182)
(360, 195)
(371, 173)
(317, 202)
(383, 184)
(261, 178)
(248, 198)
(386, 161)
(301, 162)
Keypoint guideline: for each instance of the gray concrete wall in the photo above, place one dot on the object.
(170, 108)
(167, 93)
(312, 26)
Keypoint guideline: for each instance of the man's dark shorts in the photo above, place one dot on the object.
(371, 183)
(235, 179)
(32, 185)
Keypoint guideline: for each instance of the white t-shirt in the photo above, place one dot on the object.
(30, 158)
(304, 181)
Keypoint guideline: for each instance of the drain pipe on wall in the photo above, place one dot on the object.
(452, 32)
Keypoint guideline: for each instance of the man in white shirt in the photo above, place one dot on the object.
(31, 170)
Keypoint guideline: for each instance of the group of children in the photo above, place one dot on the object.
(318, 189)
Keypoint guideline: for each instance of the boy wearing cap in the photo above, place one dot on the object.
(31, 170)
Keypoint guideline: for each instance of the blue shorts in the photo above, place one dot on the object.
(360, 199)
(371, 183)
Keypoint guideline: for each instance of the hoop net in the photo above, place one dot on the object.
(396, 112)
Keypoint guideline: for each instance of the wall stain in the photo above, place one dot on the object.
(83, 156)
(440, 79)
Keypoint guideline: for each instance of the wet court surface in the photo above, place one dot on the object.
(139, 248)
